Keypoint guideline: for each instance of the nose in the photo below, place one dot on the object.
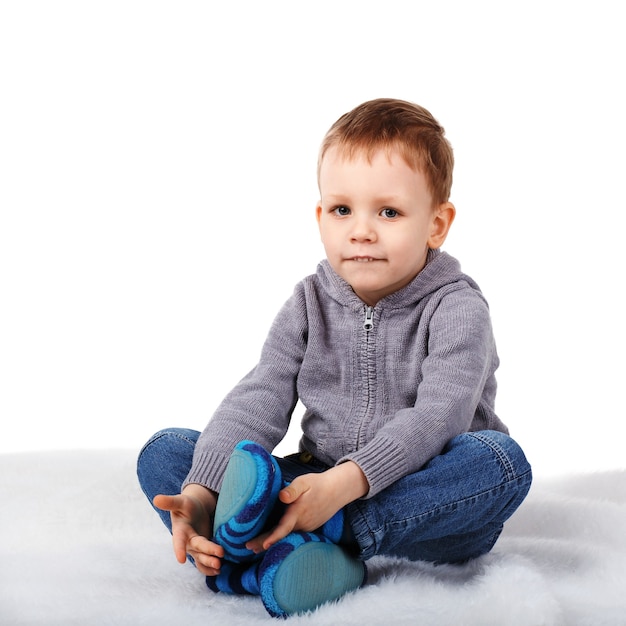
(362, 231)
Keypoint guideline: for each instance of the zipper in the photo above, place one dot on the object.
(367, 369)
(368, 323)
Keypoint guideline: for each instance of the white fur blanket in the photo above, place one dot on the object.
(80, 545)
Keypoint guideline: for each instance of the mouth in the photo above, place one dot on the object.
(362, 259)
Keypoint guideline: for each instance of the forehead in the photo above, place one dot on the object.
(339, 162)
(381, 173)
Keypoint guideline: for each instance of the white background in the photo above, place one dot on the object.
(157, 193)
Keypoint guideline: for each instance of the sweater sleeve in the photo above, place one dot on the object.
(461, 358)
(261, 404)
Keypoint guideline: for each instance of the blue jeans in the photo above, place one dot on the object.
(450, 511)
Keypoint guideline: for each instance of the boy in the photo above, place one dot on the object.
(390, 349)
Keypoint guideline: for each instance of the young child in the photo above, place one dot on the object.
(389, 347)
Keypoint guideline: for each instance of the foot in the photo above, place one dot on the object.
(248, 495)
(304, 571)
(236, 579)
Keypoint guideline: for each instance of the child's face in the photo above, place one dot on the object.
(377, 221)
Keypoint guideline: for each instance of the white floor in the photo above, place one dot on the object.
(80, 545)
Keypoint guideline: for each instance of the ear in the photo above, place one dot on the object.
(318, 212)
(443, 216)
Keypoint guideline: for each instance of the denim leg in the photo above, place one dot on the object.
(451, 510)
(164, 463)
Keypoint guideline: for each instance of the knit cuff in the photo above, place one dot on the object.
(382, 460)
(208, 470)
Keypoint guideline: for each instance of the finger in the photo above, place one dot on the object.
(286, 525)
(266, 540)
(274, 537)
(202, 545)
(180, 547)
(256, 544)
(291, 493)
(166, 503)
(207, 555)
(208, 565)
(207, 570)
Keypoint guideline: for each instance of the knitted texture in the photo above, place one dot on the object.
(387, 397)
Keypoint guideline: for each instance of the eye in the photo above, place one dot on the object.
(342, 211)
(389, 213)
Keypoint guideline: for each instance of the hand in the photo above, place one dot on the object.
(192, 520)
(312, 500)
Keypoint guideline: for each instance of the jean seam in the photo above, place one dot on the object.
(160, 435)
(372, 545)
(368, 548)
(451, 506)
(505, 462)
(372, 548)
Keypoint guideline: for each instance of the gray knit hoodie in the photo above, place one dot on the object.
(385, 387)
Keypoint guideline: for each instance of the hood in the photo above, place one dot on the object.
(440, 270)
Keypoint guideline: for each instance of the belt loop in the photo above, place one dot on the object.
(306, 457)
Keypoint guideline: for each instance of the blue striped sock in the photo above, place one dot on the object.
(235, 579)
(305, 570)
(248, 494)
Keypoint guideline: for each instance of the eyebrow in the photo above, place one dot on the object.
(382, 199)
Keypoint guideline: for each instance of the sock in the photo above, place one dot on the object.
(305, 570)
(236, 579)
(333, 529)
(247, 497)
(248, 503)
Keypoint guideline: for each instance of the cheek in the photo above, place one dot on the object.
(409, 249)
(329, 236)
(402, 241)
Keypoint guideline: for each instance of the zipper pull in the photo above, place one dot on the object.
(368, 324)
